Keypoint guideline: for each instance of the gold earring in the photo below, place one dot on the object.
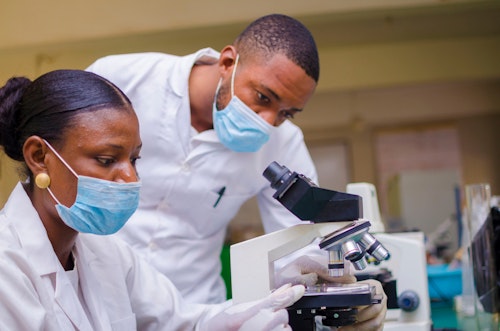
(42, 180)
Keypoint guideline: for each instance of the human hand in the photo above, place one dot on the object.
(267, 314)
(309, 270)
(370, 318)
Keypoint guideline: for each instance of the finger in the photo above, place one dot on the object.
(376, 283)
(313, 264)
(372, 312)
(279, 320)
(283, 297)
(267, 319)
(345, 279)
(370, 317)
(373, 324)
(269, 301)
(324, 274)
(283, 328)
(307, 279)
(282, 289)
(364, 326)
(287, 297)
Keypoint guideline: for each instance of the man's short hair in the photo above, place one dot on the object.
(280, 34)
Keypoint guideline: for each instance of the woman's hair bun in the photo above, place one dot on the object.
(10, 98)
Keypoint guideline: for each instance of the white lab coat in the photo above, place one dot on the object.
(178, 227)
(121, 291)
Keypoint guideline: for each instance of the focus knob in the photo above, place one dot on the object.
(408, 300)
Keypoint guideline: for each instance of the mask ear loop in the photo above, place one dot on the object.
(64, 162)
(60, 158)
(220, 81)
(234, 72)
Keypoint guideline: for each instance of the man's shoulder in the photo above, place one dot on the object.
(285, 137)
(131, 60)
(148, 58)
(288, 130)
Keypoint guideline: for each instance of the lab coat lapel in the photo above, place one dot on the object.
(91, 288)
(67, 299)
(203, 143)
(34, 239)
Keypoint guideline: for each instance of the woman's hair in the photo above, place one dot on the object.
(47, 106)
(280, 34)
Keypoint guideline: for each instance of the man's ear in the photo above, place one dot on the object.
(34, 151)
(227, 60)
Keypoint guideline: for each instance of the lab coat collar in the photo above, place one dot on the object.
(68, 299)
(35, 242)
(32, 234)
(179, 86)
(199, 144)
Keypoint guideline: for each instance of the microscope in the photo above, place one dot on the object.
(336, 221)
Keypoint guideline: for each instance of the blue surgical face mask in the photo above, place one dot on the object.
(238, 127)
(101, 206)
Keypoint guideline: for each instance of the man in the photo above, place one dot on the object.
(211, 123)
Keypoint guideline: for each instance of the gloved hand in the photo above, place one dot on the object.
(308, 270)
(311, 269)
(267, 314)
(370, 318)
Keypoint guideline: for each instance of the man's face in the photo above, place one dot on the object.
(276, 88)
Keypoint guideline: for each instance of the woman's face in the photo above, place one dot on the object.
(103, 144)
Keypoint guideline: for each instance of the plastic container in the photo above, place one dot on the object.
(444, 283)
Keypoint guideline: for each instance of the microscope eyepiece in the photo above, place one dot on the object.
(277, 174)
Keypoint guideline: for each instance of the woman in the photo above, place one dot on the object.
(77, 136)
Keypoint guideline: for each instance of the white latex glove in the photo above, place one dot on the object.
(267, 314)
(370, 318)
(308, 270)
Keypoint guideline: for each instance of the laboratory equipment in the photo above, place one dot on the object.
(486, 262)
(336, 219)
(485, 254)
(404, 275)
(405, 282)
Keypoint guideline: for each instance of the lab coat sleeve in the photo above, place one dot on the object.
(156, 302)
